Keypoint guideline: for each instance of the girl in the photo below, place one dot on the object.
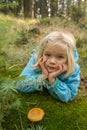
(54, 67)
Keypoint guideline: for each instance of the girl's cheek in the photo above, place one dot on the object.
(62, 62)
(46, 64)
(45, 58)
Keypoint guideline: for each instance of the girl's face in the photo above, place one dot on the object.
(54, 55)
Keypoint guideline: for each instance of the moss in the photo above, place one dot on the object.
(70, 116)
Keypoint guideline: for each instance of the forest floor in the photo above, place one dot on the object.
(18, 38)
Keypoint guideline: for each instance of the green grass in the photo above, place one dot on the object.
(4, 30)
(13, 58)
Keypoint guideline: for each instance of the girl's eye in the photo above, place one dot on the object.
(60, 57)
(48, 55)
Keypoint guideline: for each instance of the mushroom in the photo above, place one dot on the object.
(35, 114)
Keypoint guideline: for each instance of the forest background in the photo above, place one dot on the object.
(23, 23)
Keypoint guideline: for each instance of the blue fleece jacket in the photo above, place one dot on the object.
(63, 89)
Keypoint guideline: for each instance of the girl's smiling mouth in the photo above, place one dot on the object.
(51, 68)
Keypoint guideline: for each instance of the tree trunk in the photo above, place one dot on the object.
(21, 7)
(43, 8)
(27, 8)
(54, 7)
(68, 10)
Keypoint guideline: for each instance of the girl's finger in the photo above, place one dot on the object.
(42, 64)
(60, 67)
(59, 71)
(40, 60)
(64, 67)
(44, 60)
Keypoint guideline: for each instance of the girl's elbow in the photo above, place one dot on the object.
(21, 89)
(65, 99)
(69, 98)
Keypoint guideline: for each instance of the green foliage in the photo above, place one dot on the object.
(54, 21)
(7, 88)
(9, 4)
(83, 55)
(1, 128)
(45, 21)
(81, 43)
(21, 37)
(76, 14)
(8, 98)
(8, 92)
(9, 7)
(11, 34)
(5, 25)
(82, 48)
(37, 127)
(60, 21)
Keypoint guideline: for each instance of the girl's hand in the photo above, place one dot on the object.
(44, 70)
(61, 68)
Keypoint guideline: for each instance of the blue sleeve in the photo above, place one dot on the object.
(32, 81)
(67, 89)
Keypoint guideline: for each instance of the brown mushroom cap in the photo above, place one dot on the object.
(35, 114)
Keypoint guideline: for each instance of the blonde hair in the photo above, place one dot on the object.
(61, 37)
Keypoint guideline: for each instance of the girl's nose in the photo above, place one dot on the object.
(52, 61)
